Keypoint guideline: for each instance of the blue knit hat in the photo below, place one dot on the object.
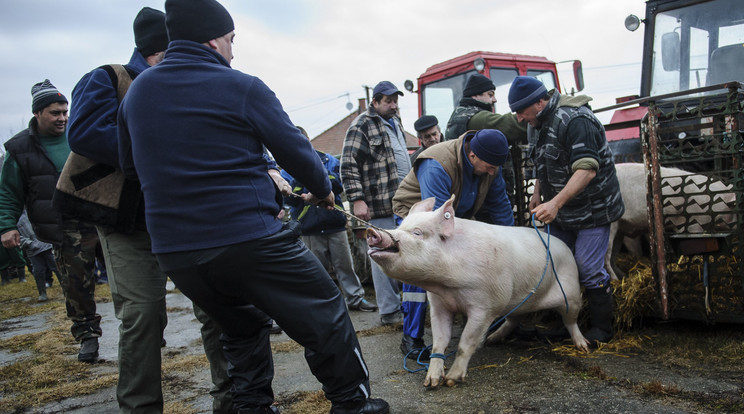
(490, 146)
(525, 91)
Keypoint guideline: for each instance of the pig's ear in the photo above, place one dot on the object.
(447, 229)
(423, 206)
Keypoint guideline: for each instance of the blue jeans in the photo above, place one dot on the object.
(589, 247)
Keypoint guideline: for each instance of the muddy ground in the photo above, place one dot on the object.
(674, 367)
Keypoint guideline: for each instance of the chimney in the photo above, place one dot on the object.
(362, 105)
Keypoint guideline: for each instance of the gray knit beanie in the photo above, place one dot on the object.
(44, 94)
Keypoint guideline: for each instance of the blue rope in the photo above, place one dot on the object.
(550, 256)
(424, 365)
(548, 260)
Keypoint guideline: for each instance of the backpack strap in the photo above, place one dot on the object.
(121, 77)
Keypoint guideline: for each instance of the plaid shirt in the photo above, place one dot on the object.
(368, 169)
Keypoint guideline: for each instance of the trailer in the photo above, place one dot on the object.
(689, 116)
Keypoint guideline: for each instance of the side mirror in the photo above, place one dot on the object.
(670, 51)
(578, 73)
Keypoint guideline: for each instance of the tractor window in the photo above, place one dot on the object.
(545, 76)
(441, 97)
(502, 78)
(696, 46)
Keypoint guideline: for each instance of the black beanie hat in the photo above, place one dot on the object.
(197, 20)
(44, 94)
(150, 35)
(477, 84)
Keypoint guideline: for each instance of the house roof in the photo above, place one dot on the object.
(331, 141)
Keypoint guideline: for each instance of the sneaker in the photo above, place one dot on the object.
(275, 329)
(88, 350)
(392, 318)
(364, 306)
(42, 297)
(368, 406)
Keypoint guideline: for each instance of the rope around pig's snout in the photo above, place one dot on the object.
(347, 214)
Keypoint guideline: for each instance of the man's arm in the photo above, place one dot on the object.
(334, 174)
(497, 203)
(547, 211)
(515, 132)
(287, 144)
(12, 196)
(583, 140)
(356, 149)
(92, 132)
(434, 181)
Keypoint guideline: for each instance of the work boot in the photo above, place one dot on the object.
(267, 409)
(21, 272)
(5, 276)
(414, 348)
(600, 315)
(88, 350)
(368, 406)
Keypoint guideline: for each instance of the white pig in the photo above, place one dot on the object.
(696, 202)
(478, 269)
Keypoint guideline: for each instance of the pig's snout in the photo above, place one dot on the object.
(373, 237)
(379, 240)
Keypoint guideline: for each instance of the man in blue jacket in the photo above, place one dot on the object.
(138, 286)
(324, 233)
(192, 129)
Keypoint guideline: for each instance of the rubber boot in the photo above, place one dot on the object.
(5, 276)
(600, 315)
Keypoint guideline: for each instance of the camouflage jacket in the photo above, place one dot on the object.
(600, 202)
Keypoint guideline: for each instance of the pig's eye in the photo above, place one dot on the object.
(417, 232)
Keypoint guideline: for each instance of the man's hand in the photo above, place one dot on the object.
(11, 239)
(361, 210)
(327, 202)
(280, 182)
(545, 212)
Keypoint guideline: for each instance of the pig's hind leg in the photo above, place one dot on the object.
(510, 323)
(569, 321)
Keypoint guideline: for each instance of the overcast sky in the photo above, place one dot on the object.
(318, 54)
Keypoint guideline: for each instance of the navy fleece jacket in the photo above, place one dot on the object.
(192, 129)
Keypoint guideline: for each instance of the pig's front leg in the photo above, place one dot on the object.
(472, 335)
(441, 330)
